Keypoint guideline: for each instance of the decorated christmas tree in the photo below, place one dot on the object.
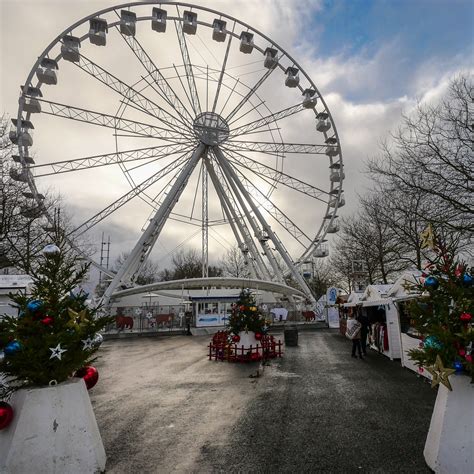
(443, 316)
(246, 315)
(55, 334)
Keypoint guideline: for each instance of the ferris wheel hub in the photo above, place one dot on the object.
(210, 128)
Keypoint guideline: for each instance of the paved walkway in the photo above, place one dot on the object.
(163, 407)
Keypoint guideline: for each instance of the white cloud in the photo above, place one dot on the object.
(366, 93)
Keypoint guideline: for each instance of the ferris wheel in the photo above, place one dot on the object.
(167, 119)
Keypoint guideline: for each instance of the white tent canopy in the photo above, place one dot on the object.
(375, 295)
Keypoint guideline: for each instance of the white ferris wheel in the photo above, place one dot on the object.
(171, 119)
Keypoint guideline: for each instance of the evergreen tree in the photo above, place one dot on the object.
(245, 315)
(53, 336)
(443, 314)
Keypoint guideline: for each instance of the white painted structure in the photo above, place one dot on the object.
(12, 284)
(54, 431)
(449, 447)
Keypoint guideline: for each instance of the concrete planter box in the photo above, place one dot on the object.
(449, 446)
(53, 431)
(247, 339)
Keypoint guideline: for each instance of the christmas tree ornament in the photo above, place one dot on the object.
(235, 338)
(459, 271)
(440, 374)
(51, 251)
(57, 352)
(87, 343)
(12, 348)
(47, 321)
(431, 283)
(76, 319)
(458, 367)
(35, 306)
(258, 336)
(467, 279)
(432, 342)
(6, 415)
(465, 317)
(462, 352)
(98, 340)
(469, 358)
(428, 240)
(89, 374)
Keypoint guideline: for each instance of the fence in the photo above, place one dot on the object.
(164, 318)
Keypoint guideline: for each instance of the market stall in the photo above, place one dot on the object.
(401, 296)
(382, 315)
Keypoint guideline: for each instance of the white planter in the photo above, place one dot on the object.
(53, 431)
(247, 339)
(449, 446)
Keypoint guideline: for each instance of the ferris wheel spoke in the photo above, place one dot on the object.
(124, 199)
(288, 224)
(139, 254)
(165, 91)
(221, 75)
(187, 66)
(278, 176)
(140, 101)
(88, 162)
(109, 121)
(280, 148)
(236, 220)
(251, 127)
(249, 94)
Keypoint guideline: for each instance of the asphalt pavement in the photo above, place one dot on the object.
(163, 407)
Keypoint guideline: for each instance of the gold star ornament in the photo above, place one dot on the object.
(440, 374)
(428, 238)
(76, 319)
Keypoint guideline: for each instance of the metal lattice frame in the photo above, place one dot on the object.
(220, 142)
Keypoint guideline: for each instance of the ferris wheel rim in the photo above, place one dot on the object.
(329, 212)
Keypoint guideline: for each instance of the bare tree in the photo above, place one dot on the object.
(187, 264)
(148, 273)
(233, 264)
(432, 156)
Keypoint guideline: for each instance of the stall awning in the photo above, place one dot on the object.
(375, 302)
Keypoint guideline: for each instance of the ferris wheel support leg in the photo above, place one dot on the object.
(265, 247)
(276, 241)
(140, 252)
(256, 270)
(254, 226)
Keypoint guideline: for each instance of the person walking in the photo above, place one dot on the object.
(353, 333)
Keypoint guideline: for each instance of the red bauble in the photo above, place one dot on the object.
(462, 352)
(465, 317)
(47, 321)
(254, 356)
(469, 358)
(258, 336)
(89, 374)
(242, 308)
(235, 338)
(6, 415)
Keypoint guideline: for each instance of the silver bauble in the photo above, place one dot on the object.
(51, 250)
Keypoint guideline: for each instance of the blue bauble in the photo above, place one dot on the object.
(467, 279)
(431, 283)
(432, 342)
(458, 366)
(34, 306)
(12, 348)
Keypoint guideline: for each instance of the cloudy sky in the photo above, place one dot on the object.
(370, 60)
